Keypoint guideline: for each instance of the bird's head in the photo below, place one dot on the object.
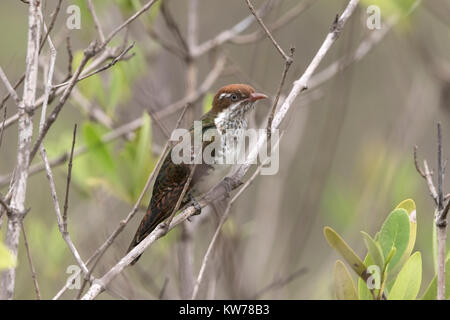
(232, 103)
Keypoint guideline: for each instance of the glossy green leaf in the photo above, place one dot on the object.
(363, 291)
(374, 250)
(410, 208)
(343, 283)
(407, 283)
(7, 259)
(395, 233)
(338, 244)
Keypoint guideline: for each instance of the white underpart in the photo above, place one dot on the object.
(231, 125)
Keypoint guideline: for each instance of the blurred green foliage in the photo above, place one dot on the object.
(397, 273)
(7, 259)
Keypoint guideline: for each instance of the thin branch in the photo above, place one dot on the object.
(427, 175)
(126, 23)
(3, 125)
(173, 27)
(30, 262)
(229, 34)
(266, 30)
(103, 68)
(8, 86)
(98, 27)
(277, 97)
(290, 15)
(69, 177)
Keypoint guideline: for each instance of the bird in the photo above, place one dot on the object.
(227, 118)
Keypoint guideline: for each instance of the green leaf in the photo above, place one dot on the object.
(374, 249)
(7, 259)
(207, 102)
(407, 283)
(343, 283)
(338, 244)
(431, 292)
(92, 87)
(118, 88)
(410, 207)
(98, 149)
(363, 291)
(395, 232)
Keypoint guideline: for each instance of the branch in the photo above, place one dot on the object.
(266, 30)
(98, 27)
(291, 14)
(441, 211)
(25, 128)
(229, 34)
(8, 86)
(30, 262)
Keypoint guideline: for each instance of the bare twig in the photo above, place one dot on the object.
(103, 68)
(266, 30)
(98, 27)
(3, 125)
(229, 34)
(173, 27)
(30, 261)
(277, 97)
(290, 15)
(69, 176)
(8, 86)
(126, 23)
(427, 175)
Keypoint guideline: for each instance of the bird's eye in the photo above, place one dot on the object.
(234, 97)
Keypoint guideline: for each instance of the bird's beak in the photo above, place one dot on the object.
(257, 96)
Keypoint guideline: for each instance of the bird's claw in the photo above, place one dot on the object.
(197, 207)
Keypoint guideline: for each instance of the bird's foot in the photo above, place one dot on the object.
(197, 207)
(230, 184)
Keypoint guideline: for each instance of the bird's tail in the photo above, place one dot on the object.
(133, 244)
(148, 224)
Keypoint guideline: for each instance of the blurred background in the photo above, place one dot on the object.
(346, 158)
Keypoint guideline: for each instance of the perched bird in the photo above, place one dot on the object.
(230, 107)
